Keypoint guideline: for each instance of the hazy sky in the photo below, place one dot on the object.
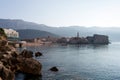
(105, 13)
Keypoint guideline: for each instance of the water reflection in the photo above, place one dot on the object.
(88, 46)
(23, 76)
(31, 77)
(94, 62)
(97, 46)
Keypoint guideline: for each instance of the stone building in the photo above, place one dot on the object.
(78, 40)
(98, 39)
(62, 40)
(11, 34)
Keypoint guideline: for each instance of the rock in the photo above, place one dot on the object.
(55, 69)
(14, 68)
(14, 61)
(3, 49)
(5, 73)
(3, 42)
(11, 61)
(1, 55)
(4, 61)
(0, 78)
(29, 65)
(14, 54)
(6, 55)
(7, 48)
(26, 54)
(38, 54)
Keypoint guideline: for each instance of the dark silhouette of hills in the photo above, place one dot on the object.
(112, 32)
(30, 34)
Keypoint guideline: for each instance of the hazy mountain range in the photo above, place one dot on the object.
(112, 32)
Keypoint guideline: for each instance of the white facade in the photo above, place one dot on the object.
(11, 33)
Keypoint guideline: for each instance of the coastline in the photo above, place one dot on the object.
(27, 44)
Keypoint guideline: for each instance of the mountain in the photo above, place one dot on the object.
(20, 24)
(112, 32)
(30, 34)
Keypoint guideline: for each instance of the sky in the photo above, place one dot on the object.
(59, 13)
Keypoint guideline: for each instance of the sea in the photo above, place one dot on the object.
(77, 62)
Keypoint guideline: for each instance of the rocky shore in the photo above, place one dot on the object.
(12, 62)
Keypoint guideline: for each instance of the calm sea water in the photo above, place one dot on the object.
(79, 62)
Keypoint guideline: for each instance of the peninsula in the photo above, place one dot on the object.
(95, 39)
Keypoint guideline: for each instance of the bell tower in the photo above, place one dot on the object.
(78, 34)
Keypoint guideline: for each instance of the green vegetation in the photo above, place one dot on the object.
(2, 34)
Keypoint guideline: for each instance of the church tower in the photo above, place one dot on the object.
(78, 34)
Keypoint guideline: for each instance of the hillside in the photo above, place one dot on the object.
(20, 24)
(30, 34)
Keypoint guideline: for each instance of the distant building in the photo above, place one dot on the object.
(74, 40)
(62, 40)
(95, 39)
(11, 34)
(78, 40)
(98, 39)
(38, 40)
(90, 39)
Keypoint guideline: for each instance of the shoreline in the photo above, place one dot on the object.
(34, 44)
